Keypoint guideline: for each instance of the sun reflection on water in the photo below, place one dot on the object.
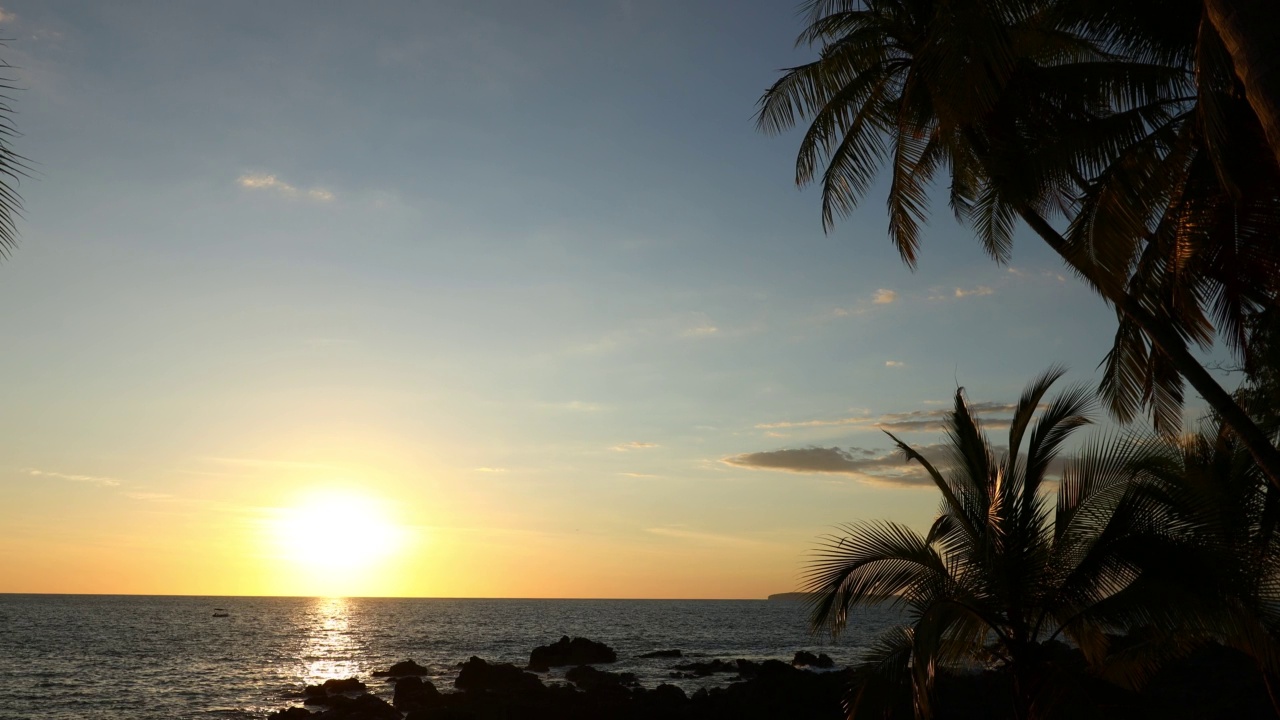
(332, 649)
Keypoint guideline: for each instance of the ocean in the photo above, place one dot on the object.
(143, 657)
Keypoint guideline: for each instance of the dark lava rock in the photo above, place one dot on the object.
(664, 701)
(578, 651)
(589, 678)
(312, 691)
(338, 687)
(804, 658)
(479, 675)
(442, 713)
(293, 713)
(406, 668)
(703, 669)
(364, 707)
(413, 693)
(663, 654)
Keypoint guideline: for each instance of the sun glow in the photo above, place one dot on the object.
(336, 542)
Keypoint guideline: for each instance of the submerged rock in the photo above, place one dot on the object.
(663, 654)
(578, 651)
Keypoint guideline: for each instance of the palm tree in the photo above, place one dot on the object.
(13, 167)
(1003, 572)
(1043, 107)
(1210, 503)
(1249, 28)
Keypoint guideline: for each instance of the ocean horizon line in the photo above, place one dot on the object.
(386, 597)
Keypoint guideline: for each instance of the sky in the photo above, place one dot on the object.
(470, 298)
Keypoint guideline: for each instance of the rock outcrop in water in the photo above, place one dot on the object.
(578, 651)
(404, 668)
(769, 690)
(1213, 683)
(479, 676)
(414, 693)
(804, 658)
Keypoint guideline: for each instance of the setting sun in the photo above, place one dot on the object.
(336, 540)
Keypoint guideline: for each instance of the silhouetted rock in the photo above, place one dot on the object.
(589, 678)
(293, 713)
(413, 693)
(442, 713)
(703, 669)
(663, 654)
(346, 685)
(405, 668)
(769, 690)
(363, 707)
(312, 691)
(664, 701)
(476, 674)
(578, 651)
(804, 658)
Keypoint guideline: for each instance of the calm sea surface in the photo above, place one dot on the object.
(78, 656)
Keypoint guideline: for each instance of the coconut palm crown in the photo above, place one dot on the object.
(1005, 570)
(1121, 121)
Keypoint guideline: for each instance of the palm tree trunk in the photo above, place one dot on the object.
(1250, 29)
(1167, 339)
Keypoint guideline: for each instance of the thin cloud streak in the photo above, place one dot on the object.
(634, 445)
(704, 538)
(978, 291)
(90, 479)
(912, 421)
(264, 181)
(876, 466)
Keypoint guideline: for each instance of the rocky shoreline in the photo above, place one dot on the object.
(809, 687)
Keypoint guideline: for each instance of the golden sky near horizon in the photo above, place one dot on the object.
(463, 299)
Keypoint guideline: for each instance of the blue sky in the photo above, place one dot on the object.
(523, 272)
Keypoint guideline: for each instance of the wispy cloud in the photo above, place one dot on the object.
(878, 466)
(881, 296)
(7, 18)
(637, 475)
(634, 445)
(267, 463)
(703, 538)
(495, 470)
(912, 421)
(701, 331)
(978, 291)
(91, 479)
(894, 363)
(271, 183)
(150, 496)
